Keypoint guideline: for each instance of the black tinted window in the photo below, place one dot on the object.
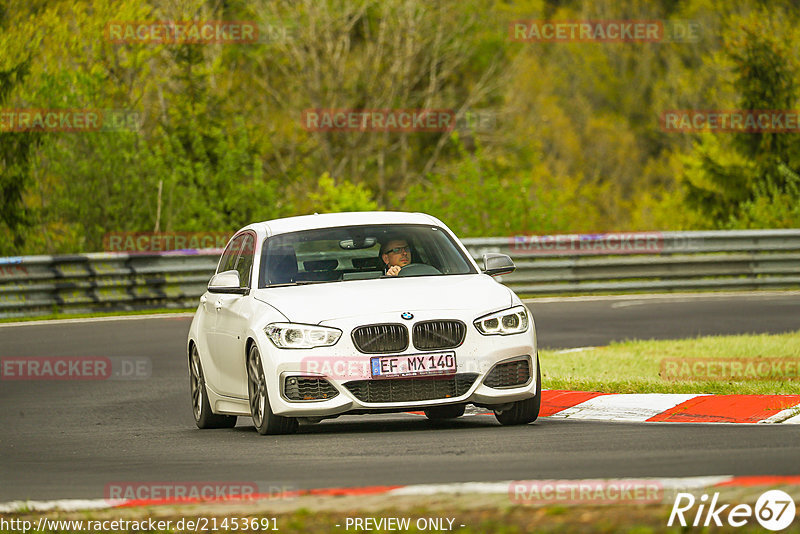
(231, 254)
(245, 261)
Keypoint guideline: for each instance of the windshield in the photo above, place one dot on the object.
(357, 253)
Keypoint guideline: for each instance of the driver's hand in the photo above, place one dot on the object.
(393, 270)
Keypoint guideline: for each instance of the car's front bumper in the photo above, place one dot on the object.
(342, 364)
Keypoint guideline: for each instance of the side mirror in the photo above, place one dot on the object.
(226, 282)
(497, 264)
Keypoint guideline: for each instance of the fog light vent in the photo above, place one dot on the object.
(306, 388)
(509, 374)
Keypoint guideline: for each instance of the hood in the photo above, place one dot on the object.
(314, 303)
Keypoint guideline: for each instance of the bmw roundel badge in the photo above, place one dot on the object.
(407, 316)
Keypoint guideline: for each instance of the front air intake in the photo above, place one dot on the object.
(307, 388)
(411, 389)
(509, 374)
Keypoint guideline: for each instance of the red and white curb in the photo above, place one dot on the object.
(665, 407)
(671, 407)
(466, 488)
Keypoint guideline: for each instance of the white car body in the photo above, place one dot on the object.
(227, 326)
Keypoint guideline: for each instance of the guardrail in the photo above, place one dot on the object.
(546, 265)
(654, 261)
(39, 285)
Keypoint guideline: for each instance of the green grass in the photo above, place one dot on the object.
(54, 316)
(635, 366)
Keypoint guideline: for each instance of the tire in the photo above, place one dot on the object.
(524, 411)
(442, 413)
(203, 416)
(263, 419)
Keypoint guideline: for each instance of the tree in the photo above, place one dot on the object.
(751, 179)
(16, 147)
(369, 54)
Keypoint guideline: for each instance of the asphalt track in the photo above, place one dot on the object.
(69, 439)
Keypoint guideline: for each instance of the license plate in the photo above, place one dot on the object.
(436, 363)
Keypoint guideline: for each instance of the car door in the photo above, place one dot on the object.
(233, 313)
(210, 311)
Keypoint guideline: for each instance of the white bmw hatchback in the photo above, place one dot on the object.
(306, 319)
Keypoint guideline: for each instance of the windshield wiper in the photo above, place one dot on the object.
(303, 283)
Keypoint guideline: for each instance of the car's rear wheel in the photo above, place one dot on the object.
(203, 416)
(264, 420)
(442, 413)
(524, 411)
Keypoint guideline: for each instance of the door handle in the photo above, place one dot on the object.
(218, 305)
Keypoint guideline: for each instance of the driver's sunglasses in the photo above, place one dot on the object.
(398, 250)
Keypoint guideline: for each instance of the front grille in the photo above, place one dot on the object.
(411, 389)
(429, 335)
(305, 388)
(381, 338)
(510, 374)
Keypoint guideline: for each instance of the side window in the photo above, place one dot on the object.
(245, 262)
(228, 260)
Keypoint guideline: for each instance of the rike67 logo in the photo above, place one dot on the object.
(774, 510)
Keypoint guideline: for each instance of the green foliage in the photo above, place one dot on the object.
(773, 206)
(16, 148)
(15, 178)
(481, 196)
(331, 197)
(576, 145)
(750, 179)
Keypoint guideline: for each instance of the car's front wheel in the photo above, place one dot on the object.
(442, 413)
(264, 420)
(203, 416)
(524, 411)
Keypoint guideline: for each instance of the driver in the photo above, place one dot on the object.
(396, 254)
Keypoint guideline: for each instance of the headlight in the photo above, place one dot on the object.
(503, 323)
(301, 336)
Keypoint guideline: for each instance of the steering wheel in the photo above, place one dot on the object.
(418, 269)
